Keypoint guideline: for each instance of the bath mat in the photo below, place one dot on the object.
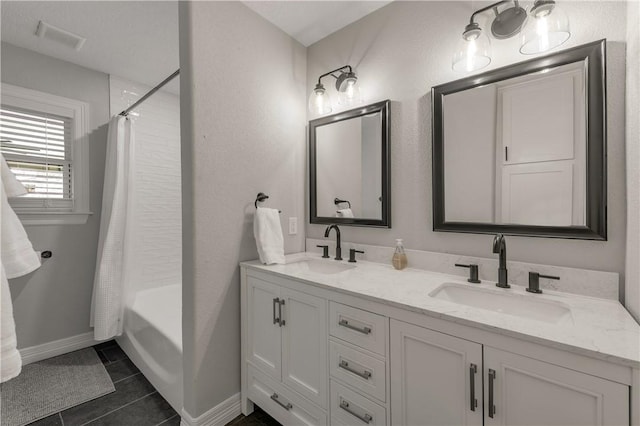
(55, 384)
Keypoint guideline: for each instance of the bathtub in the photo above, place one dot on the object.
(152, 338)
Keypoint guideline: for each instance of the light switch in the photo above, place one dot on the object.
(293, 225)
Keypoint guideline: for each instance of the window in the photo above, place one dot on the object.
(44, 140)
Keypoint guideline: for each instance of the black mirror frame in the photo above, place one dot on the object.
(594, 56)
(384, 108)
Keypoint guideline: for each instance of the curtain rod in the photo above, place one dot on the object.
(150, 92)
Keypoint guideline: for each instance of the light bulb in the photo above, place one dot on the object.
(548, 28)
(319, 100)
(474, 50)
(351, 95)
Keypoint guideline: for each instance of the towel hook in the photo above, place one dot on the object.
(337, 201)
(260, 198)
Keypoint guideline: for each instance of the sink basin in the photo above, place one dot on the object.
(327, 267)
(504, 302)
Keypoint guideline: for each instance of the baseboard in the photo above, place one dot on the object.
(219, 415)
(57, 347)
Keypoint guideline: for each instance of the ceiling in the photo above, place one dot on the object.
(310, 21)
(138, 40)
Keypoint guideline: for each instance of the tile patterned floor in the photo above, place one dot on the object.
(134, 403)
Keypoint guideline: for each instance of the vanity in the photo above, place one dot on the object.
(328, 342)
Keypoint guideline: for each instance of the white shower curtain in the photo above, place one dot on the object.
(111, 276)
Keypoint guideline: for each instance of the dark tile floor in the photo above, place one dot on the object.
(257, 418)
(134, 403)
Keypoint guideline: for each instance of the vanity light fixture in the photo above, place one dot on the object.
(547, 28)
(346, 85)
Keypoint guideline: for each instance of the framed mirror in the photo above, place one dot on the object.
(349, 167)
(521, 150)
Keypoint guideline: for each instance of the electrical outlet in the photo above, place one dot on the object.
(293, 225)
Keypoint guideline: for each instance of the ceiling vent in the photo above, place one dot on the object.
(50, 32)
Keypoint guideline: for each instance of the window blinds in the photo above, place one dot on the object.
(37, 147)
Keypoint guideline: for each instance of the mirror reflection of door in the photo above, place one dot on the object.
(541, 150)
(517, 153)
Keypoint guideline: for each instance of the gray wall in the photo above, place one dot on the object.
(243, 103)
(405, 48)
(53, 302)
(633, 160)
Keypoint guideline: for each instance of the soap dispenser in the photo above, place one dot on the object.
(399, 259)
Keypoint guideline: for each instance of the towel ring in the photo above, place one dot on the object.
(260, 198)
(337, 201)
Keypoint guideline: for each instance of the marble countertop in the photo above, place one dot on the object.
(600, 328)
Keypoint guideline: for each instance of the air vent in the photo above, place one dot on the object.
(59, 35)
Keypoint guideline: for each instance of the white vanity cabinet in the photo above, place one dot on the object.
(525, 391)
(364, 347)
(287, 341)
(436, 379)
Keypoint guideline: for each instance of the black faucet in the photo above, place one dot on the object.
(500, 246)
(338, 248)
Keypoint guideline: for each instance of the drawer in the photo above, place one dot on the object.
(357, 369)
(353, 409)
(281, 404)
(362, 328)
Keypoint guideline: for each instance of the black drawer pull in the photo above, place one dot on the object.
(286, 406)
(363, 330)
(345, 406)
(365, 374)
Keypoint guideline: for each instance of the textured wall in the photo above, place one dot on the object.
(243, 131)
(405, 48)
(54, 302)
(633, 160)
(156, 232)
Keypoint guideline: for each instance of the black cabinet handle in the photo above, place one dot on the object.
(473, 402)
(492, 407)
(280, 318)
(276, 301)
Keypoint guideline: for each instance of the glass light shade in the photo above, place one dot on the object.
(473, 53)
(351, 95)
(319, 101)
(547, 28)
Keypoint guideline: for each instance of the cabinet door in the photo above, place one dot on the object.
(525, 391)
(305, 345)
(263, 333)
(434, 378)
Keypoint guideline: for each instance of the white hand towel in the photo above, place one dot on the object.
(18, 256)
(344, 213)
(268, 234)
(12, 186)
(11, 364)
